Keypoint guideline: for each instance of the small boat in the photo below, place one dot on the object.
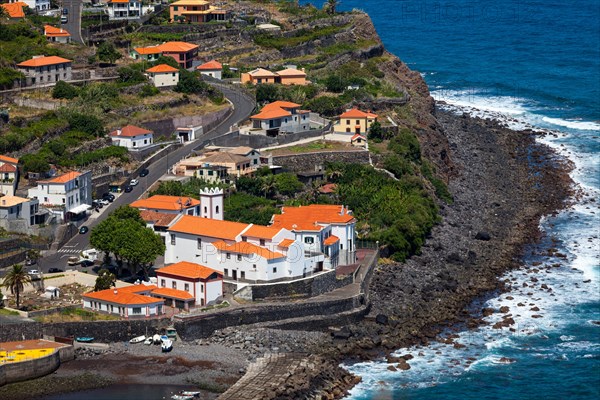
(166, 346)
(156, 339)
(163, 338)
(172, 333)
(138, 339)
(148, 340)
(85, 339)
(181, 397)
(190, 393)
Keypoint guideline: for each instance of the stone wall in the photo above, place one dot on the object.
(167, 127)
(306, 161)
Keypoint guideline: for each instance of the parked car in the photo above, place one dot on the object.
(97, 204)
(65, 11)
(104, 201)
(87, 263)
(128, 188)
(73, 260)
(29, 262)
(108, 196)
(144, 172)
(33, 272)
(83, 230)
(54, 270)
(133, 182)
(64, 19)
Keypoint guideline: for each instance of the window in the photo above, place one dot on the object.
(112, 308)
(172, 239)
(136, 310)
(228, 256)
(347, 129)
(347, 122)
(199, 243)
(357, 122)
(205, 210)
(262, 242)
(201, 172)
(244, 238)
(254, 266)
(216, 209)
(201, 288)
(274, 270)
(309, 240)
(242, 274)
(163, 283)
(226, 272)
(64, 200)
(211, 173)
(134, 144)
(174, 285)
(239, 257)
(186, 287)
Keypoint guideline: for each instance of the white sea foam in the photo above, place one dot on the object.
(571, 124)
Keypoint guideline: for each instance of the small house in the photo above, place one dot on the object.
(132, 137)
(355, 121)
(45, 69)
(57, 35)
(213, 68)
(187, 284)
(163, 75)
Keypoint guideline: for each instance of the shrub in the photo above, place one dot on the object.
(131, 75)
(148, 90)
(64, 90)
(86, 123)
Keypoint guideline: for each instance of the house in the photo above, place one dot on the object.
(358, 140)
(132, 137)
(258, 76)
(146, 53)
(202, 166)
(291, 76)
(213, 68)
(67, 195)
(163, 75)
(45, 69)
(158, 221)
(330, 229)
(196, 11)
(355, 121)
(281, 116)
(168, 205)
(9, 175)
(15, 10)
(188, 284)
(182, 52)
(252, 154)
(18, 208)
(127, 302)
(34, 5)
(124, 9)
(57, 35)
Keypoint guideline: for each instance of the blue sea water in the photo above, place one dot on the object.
(528, 63)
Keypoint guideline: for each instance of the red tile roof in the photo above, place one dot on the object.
(188, 270)
(307, 218)
(285, 243)
(356, 113)
(177, 47)
(331, 240)
(261, 73)
(279, 104)
(147, 50)
(52, 31)
(208, 227)
(141, 288)
(288, 72)
(271, 114)
(247, 248)
(15, 10)
(162, 68)
(126, 295)
(130, 131)
(158, 218)
(358, 135)
(328, 188)
(162, 202)
(9, 159)
(64, 178)
(43, 61)
(173, 293)
(210, 66)
(262, 232)
(8, 168)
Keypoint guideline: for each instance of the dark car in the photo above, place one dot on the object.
(29, 262)
(144, 172)
(83, 230)
(87, 263)
(128, 188)
(97, 204)
(65, 11)
(108, 196)
(53, 270)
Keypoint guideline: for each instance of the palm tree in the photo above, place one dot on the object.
(15, 280)
(330, 6)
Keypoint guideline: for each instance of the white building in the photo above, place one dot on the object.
(127, 302)
(132, 137)
(57, 35)
(169, 205)
(9, 175)
(213, 68)
(281, 117)
(124, 9)
(66, 195)
(163, 75)
(15, 208)
(187, 284)
(35, 5)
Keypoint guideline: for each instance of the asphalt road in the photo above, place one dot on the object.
(243, 107)
(73, 26)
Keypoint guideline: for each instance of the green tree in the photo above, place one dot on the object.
(328, 106)
(166, 60)
(129, 213)
(287, 184)
(86, 123)
(64, 90)
(15, 280)
(33, 255)
(105, 280)
(130, 75)
(107, 52)
(142, 249)
(376, 132)
(9, 76)
(335, 83)
(35, 163)
(190, 83)
(406, 145)
(266, 93)
(148, 91)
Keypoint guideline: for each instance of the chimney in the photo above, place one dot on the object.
(115, 291)
(303, 69)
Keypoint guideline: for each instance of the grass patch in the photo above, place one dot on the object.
(224, 304)
(4, 311)
(53, 277)
(310, 147)
(75, 315)
(302, 36)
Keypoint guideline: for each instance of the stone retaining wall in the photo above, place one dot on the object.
(30, 369)
(302, 162)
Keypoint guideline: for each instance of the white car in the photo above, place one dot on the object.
(133, 182)
(34, 272)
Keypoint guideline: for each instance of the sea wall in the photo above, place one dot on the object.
(30, 369)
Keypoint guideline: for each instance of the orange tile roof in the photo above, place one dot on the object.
(261, 73)
(356, 113)
(209, 227)
(279, 104)
(9, 201)
(262, 232)
(273, 113)
(8, 168)
(141, 288)
(15, 10)
(64, 178)
(52, 31)
(187, 269)
(247, 248)
(331, 240)
(162, 68)
(328, 188)
(147, 50)
(173, 293)
(119, 1)
(122, 296)
(211, 65)
(306, 218)
(177, 47)
(291, 72)
(285, 243)
(130, 131)
(9, 159)
(162, 202)
(158, 218)
(358, 135)
(44, 60)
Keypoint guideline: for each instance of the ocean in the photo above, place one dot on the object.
(529, 63)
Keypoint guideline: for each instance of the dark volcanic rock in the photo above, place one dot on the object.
(483, 236)
(381, 319)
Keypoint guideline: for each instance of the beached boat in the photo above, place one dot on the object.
(190, 393)
(148, 340)
(138, 339)
(166, 346)
(172, 333)
(181, 397)
(156, 339)
(85, 339)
